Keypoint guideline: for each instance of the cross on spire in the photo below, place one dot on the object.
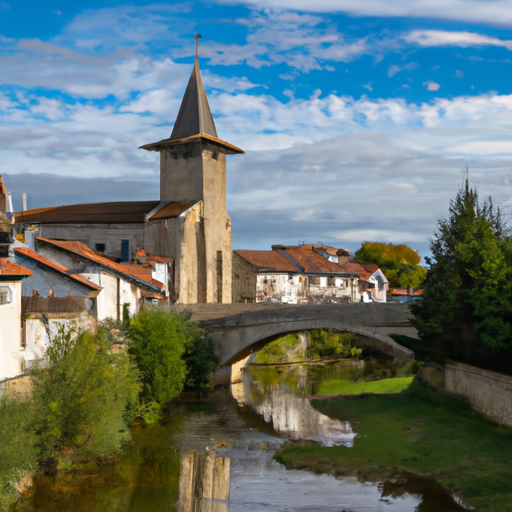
(196, 37)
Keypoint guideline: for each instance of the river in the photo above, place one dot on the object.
(245, 424)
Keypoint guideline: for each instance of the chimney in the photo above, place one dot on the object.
(24, 202)
(343, 256)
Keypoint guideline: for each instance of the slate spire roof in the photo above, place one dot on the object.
(194, 121)
(194, 116)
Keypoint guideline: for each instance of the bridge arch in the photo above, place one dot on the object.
(237, 336)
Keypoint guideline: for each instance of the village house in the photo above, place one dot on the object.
(11, 338)
(304, 274)
(189, 224)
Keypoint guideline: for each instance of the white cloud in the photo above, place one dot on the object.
(429, 38)
(431, 86)
(494, 12)
(301, 41)
(394, 69)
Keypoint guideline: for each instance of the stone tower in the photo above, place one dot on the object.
(193, 171)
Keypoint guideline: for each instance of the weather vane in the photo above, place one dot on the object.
(196, 37)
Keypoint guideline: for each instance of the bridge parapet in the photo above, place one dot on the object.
(238, 335)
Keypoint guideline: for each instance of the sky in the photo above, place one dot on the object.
(357, 118)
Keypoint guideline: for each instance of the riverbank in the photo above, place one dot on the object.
(420, 432)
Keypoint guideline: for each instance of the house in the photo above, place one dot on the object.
(11, 277)
(189, 224)
(373, 284)
(292, 274)
(312, 273)
(123, 285)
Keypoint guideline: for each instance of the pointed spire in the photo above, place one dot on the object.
(194, 116)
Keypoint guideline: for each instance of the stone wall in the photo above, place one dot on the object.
(488, 392)
(244, 279)
(109, 235)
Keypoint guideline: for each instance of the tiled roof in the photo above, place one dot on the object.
(268, 259)
(364, 270)
(136, 271)
(7, 268)
(311, 261)
(27, 253)
(93, 213)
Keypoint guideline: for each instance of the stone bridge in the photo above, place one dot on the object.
(239, 329)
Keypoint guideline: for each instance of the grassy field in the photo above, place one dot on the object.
(345, 387)
(423, 433)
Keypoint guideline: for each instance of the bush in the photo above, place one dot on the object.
(172, 353)
(330, 344)
(83, 392)
(18, 453)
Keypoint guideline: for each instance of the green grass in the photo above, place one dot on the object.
(423, 433)
(345, 387)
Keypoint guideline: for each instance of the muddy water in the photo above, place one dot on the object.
(247, 426)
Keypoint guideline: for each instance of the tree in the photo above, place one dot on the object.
(465, 309)
(399, 263)
(82, 394)
(172, 353)
(18, 452)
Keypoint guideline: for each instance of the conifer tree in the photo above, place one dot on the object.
(465, 309)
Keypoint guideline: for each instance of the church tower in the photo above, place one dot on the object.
(193, 175)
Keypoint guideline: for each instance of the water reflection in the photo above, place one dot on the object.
(289, 413)
(149, 475)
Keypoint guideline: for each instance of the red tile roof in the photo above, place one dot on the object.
(311, 260)
(81, 249)
(97, 213)
(55, 266)
(7, 268)
(268, 259)
(364, 270)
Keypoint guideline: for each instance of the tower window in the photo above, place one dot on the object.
(100, 247)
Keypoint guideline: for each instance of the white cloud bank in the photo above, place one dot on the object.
(432, 38)
(493, 12)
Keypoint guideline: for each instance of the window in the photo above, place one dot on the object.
(5, 295)
(100, 247)
(331, 281)
(313, 281)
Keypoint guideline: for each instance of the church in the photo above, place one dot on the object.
(189, 224)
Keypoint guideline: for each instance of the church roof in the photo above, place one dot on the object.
(194, 116)
(194, 121)
(124, 212)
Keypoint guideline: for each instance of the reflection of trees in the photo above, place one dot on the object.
(433, 497)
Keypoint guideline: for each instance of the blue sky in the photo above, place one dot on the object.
(356, 119)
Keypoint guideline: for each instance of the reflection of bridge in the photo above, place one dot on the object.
(239, 329)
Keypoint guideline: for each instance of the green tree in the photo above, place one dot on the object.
(172, 352)
(399, 263)
(465, 309)
(331, 344)
(82, 394)
(18, 452)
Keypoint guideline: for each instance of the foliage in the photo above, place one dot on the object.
(330, 344)
(468, 290)
(82, 393)
(422, 432)
(172, 353)
(200, 358)
(18, 453)
(399, 263)
(345, 387)
(276, 351)
(157, 341)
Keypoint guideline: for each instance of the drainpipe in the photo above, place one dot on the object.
(118, 299)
